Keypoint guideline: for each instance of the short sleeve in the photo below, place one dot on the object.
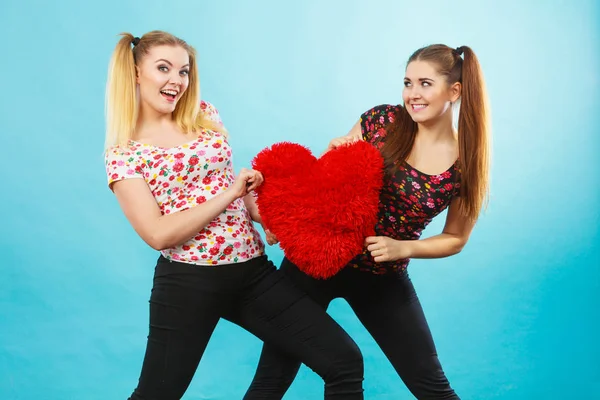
(374, 121)
(122, 164)
(211, 112)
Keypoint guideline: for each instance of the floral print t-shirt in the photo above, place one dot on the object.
(184, 176)
(409, 200)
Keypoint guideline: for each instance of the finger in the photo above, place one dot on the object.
(379, 259)
(253, 186)
(377, 253)
(373, 247)
(371, 240)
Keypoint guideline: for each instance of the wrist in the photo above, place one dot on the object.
(230, 195)
(406, 248)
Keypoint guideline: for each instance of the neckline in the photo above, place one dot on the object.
(186, 144)
(451, 167)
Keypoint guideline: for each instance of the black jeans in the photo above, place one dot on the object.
(388, 307)
(187, 301)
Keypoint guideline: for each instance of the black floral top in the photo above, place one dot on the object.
(409, 200)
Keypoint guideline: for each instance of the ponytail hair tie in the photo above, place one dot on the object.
(459, 51)
(135, 41)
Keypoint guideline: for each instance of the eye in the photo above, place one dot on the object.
(185, 72)
(163, 68)
(406, 83)
(426, 84)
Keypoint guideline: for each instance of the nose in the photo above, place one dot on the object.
(175, 79)
(414, 93)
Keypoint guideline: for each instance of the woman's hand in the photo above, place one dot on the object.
(271, 238)
(246, 181)
(383, 248)
(343, 140)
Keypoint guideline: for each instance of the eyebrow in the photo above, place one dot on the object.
(420, 79)
(168, 62)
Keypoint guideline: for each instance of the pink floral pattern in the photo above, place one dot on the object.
(409, 200)
(184, 176)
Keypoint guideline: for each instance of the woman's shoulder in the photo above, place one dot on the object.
(382, 113)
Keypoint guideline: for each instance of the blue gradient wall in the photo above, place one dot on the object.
(515, 315)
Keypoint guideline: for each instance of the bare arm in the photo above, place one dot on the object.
(250, 202)
(355, 134)
(453, 238)
(164, 231)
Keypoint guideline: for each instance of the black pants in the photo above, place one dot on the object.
(187, 302)
(388, 307)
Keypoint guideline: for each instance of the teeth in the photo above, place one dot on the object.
(419, 105)
(170, 92)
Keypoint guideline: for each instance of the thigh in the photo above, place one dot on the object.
(276, 367)
(182, 320)
(391, 311)
(295, 328)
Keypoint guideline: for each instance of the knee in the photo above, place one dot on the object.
(348, 365)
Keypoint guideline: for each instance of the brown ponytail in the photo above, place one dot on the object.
(473, 124)
(473, 136)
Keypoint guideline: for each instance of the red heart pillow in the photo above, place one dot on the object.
(321, 210)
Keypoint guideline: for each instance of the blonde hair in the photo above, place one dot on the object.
(121, 89)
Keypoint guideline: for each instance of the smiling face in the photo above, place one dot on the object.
(427, 94)
(163, 78)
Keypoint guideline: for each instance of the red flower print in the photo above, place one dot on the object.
(179, 156)
(193, 160)
(448, 186)
(178, 167)
(186, 247)
(152, 182)
(214, 251)
(228, 250)
(206, 180)
(114, 176)
(216, 145)
(435, 180)
(200, 199)
(220, 239)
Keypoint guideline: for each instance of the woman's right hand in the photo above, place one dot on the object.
(353, 136)
(341, 141)
(246, 181)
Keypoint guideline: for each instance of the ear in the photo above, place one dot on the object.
(455, 91)
(137, 74)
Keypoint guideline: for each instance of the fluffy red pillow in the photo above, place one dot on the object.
(322, 209)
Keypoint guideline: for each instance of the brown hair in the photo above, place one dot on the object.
(473, 124)
(121, 100)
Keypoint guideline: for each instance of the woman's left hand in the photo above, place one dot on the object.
(383, 248)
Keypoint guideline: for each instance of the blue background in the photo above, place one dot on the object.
(515, 315)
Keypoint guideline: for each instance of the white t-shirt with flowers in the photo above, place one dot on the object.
(184, 176)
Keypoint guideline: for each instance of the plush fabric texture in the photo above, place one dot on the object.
(321, 210)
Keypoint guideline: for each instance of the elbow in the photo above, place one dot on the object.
(158, 241)
(459, 246)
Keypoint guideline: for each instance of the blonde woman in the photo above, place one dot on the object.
(169, 165)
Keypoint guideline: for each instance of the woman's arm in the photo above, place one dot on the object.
(354, 135)
(164, 231)
(453, 238)
(250, 202)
